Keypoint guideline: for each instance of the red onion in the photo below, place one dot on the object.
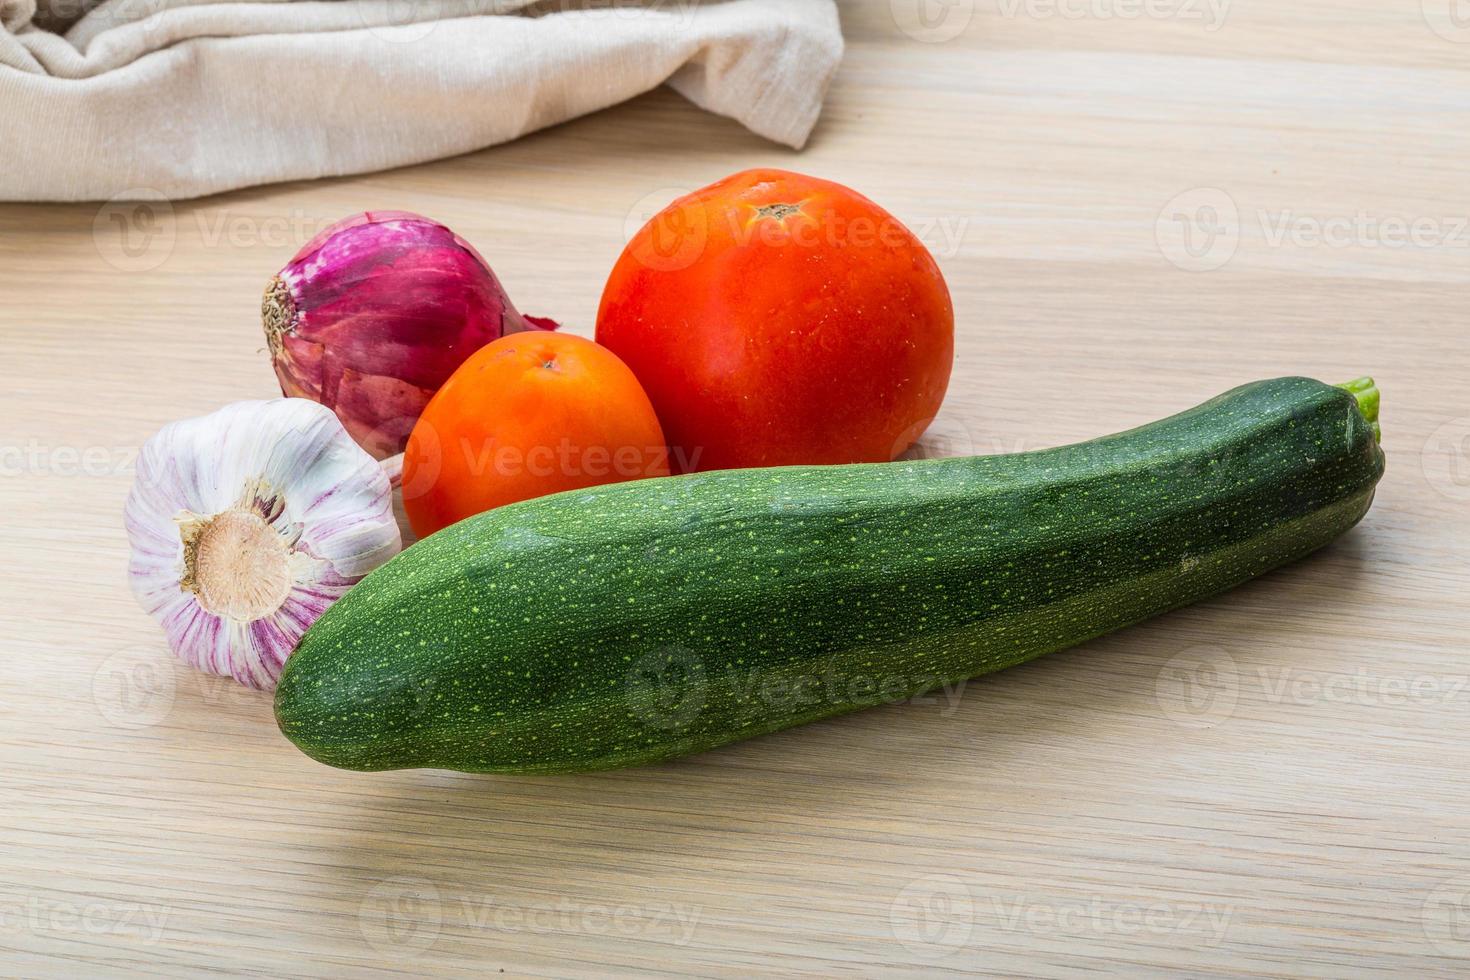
(374, 314)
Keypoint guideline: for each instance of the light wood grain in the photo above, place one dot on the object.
(1270, 783)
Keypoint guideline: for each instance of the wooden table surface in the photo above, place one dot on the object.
(1137, 207)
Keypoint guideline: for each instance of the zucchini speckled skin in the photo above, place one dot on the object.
(633, 623)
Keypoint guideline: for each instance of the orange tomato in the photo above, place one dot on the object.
(777, 319)
(530, 414)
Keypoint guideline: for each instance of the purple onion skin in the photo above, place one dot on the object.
(375, 313)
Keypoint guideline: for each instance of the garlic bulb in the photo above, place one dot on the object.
(247, 524)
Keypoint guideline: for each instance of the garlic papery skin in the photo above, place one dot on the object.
(246, 524)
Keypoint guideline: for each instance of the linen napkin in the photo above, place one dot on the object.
(187, 97)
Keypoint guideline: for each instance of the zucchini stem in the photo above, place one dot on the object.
(1366, 392)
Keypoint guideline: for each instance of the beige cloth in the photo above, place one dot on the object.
(186, 97)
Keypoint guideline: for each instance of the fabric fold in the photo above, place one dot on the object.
(181, 98)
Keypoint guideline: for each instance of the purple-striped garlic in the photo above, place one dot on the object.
(247, 524)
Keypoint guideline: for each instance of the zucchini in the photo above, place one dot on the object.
(628, 624)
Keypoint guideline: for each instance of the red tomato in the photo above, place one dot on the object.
(530, 414)
(776, 319)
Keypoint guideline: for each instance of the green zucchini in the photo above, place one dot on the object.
(628, 624)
